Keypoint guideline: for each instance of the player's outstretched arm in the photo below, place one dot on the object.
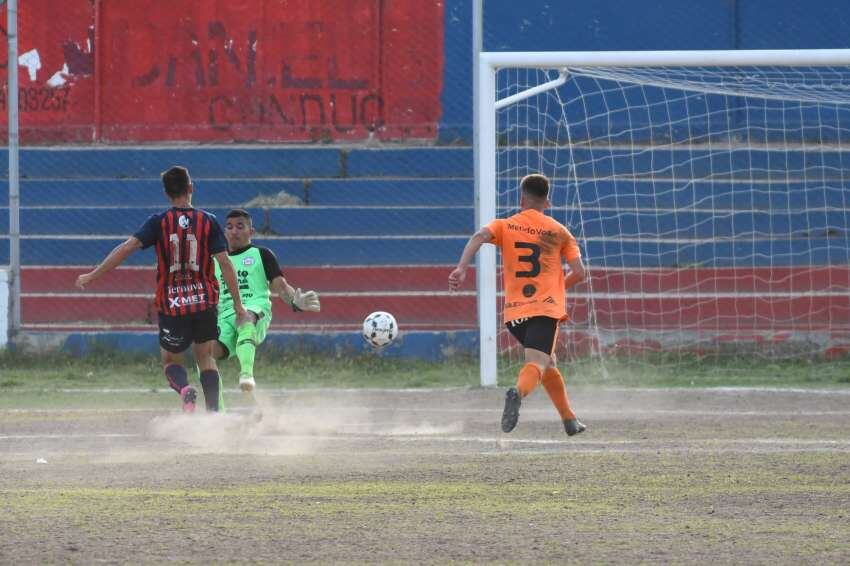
(458, 274)
(296, 298)
(115, 258)
(576, 275)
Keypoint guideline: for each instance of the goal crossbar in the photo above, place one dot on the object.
(740, 58)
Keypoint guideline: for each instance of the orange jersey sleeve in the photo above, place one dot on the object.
(495, 228)
(532, 246)
(570, 249)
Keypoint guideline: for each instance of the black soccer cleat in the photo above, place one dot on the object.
(510, 415)
(574, 426)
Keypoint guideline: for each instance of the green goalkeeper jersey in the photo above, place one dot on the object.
(255, 268)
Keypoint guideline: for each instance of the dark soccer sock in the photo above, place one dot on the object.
(177, 378)
(210, 383)
(528, 378)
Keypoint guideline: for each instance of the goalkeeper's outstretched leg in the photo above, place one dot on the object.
(246, 349)
(242, 343)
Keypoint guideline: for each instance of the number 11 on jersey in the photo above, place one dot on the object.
(192, 255)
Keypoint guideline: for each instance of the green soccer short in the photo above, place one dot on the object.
(227, 329)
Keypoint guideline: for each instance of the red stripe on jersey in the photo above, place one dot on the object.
(171, 254)
(174, 251)
(188, 276)
(200, 276)
(203, 254)
(164, 269)
(203, 257)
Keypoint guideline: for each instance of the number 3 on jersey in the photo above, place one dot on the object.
(532, 258)
(192, 256)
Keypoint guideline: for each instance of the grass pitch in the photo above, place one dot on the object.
(99, 465)
(518, 508)
(685, 476)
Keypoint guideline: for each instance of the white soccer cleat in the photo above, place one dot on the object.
(246, 383)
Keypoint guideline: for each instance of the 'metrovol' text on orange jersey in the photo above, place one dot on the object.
(532, 246)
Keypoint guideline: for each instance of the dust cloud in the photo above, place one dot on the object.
(305, 425)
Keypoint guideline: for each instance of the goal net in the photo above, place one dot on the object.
(710, 201)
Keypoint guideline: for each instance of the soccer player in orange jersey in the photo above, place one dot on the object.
(535, 285)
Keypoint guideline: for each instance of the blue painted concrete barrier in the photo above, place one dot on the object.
(431, 346)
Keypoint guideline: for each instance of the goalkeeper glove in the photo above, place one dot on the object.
(305, 301)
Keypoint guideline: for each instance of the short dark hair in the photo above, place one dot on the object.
(238, 213)
(535, 186)
(176, 181)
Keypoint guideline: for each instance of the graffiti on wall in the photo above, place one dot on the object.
(321, 99)
(218, 71)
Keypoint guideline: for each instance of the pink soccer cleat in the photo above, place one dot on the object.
(188, 395)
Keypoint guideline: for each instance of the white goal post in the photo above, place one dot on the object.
(560, 66)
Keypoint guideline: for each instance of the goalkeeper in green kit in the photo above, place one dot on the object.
(259, 277)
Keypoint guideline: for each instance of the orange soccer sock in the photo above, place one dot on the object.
(529, 377)
(553, 382)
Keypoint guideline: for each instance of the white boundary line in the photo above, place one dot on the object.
(84, 436)
(426, 390)
(787, 443)
(617, 412)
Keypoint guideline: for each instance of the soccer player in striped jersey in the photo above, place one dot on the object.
(259, 277)
(532, 245)
(186, 240)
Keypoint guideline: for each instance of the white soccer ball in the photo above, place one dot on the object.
(380, 328)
